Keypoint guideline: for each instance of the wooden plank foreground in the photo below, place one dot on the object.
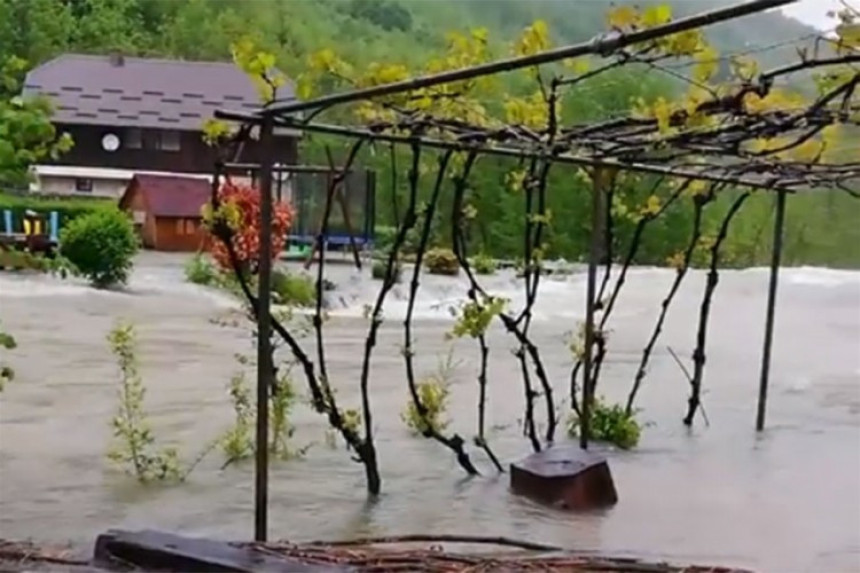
(148, 550)
(158, 551)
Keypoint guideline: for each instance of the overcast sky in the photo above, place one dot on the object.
(814, 12)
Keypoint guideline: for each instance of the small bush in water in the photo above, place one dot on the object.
(100, 246)
(135, 448)
(7, 342)
(237, 443)
(484, 264)
(200, 270)
(609, 423)
(442, 262)
(294, 289)
(433, 393)
(380, 267)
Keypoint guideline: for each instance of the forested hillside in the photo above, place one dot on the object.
(823, 228)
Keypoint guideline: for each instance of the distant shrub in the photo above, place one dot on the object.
(7, 342)
(609, 423)
(19, 260)
(484, 264)
(442, 262)
(380, 267)
(100, 246)
(293, 289)
(200, 270)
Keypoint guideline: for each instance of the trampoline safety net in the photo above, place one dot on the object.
(306, 192)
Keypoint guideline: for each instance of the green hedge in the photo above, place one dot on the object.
(67, 208)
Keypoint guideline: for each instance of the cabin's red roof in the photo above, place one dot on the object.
(171, 195)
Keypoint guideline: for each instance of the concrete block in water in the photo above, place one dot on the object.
(566, 477)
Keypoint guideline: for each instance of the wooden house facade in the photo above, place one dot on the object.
(138, 115)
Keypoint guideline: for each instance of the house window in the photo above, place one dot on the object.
(185, 227)
(168, 141)
(134, 138)
(83, 185)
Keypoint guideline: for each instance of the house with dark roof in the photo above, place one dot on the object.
(137, 115)
(166, 210)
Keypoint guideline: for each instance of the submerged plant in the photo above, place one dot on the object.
(609, 423)
(433, 392)
(135, 447)
(484, 264)
(200, 270)
(7, 342)
(238, 443)
(441, 262)
(293, 289)
(379, 270)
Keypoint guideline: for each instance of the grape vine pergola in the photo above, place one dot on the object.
(739, 138)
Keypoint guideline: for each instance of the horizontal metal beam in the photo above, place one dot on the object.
(281, 168)
(603, 44)
(563, 158)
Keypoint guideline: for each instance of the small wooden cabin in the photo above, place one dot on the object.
(167, 210)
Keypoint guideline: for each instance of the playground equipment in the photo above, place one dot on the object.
(36, 235)
(351, 222)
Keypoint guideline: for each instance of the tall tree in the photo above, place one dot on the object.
(26, 132)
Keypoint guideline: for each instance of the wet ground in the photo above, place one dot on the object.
(787, 500)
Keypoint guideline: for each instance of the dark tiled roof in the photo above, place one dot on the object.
(171, 195)
(150, 93)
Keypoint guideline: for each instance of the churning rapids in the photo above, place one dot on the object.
(785, 501)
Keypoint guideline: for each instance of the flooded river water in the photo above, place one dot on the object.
(787, 500)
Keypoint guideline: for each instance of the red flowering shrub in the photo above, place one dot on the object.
(239, 211)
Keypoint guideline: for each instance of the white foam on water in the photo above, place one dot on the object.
(817, 276)
(172, 281)
(559, 297)
(13, 285)
(439, 298)
(143, 282)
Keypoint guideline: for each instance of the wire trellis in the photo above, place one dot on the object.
(739, 136)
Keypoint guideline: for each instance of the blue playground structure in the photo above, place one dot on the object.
(34, 234)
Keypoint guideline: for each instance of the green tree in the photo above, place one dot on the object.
(34, 30)
(26, 132)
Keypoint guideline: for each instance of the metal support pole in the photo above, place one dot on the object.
(265, 369)
(597, 196)
(370, 207)
(776, 257)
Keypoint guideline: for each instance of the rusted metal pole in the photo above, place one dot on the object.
(776, 257)
(605, 44)
(597, 196)
(265, 369)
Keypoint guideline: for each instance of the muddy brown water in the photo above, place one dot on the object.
(787, 500)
